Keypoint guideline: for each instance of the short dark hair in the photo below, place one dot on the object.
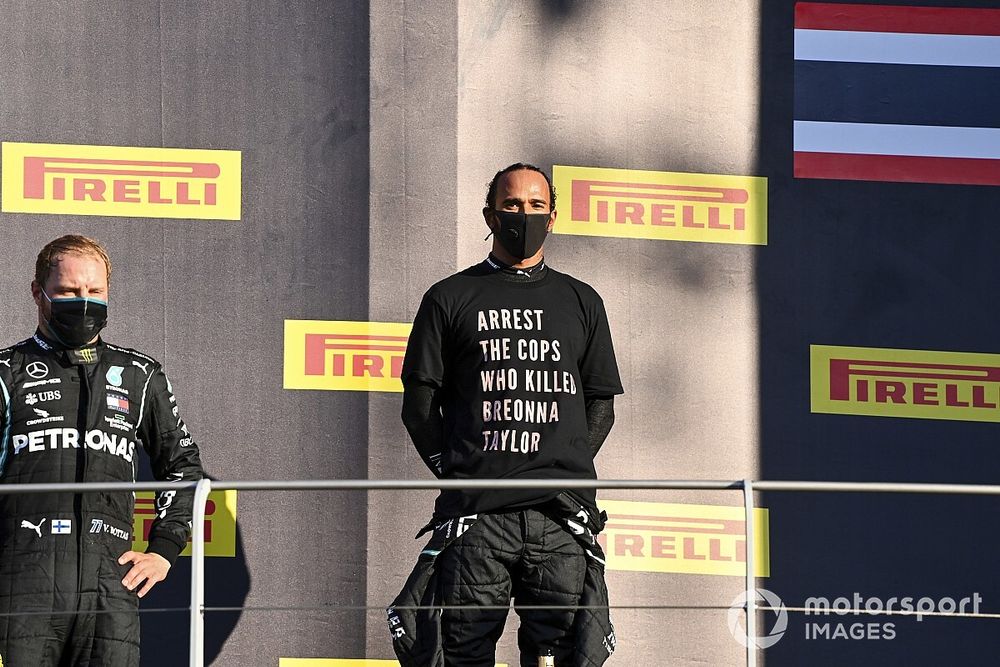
(491, 193)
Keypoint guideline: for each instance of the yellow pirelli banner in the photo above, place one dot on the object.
(341, 662)
(122, 181)
(921, 384)
(220, 523)
(345, 355)
(672, 206)
(683, 538)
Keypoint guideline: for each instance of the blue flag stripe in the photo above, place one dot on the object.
(899, 94)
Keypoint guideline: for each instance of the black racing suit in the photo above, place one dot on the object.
(82, 416)
(547, 555)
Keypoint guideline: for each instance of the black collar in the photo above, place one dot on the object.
(528, 272)
(81, 356)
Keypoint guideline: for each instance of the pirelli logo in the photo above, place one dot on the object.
(341, 355)
(683, 539)
(661, 205)
(220, 523)
(121, 181)
(905, 383)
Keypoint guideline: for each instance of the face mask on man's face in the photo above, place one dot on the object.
(521, 234)
(76, 321)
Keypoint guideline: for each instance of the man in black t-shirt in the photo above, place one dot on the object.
(509, 373)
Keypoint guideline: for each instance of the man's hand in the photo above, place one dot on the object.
(151, 568)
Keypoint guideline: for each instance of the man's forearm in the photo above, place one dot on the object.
(600, 419)
(422, 418)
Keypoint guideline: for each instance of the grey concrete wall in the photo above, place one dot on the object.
(462, 89)
(636, 85)
(369, 132)
(413, 244)
(286, 84)
(364, 165)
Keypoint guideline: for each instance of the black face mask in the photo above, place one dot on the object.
(76, 321)
(522, 234)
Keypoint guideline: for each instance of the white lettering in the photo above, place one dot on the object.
(549, 382)
(68, 438)
(516, 409)
(94, 439)
(538, 350)
(500, 379)
(517, 319)
(35, 441)
(509, 440)
(495, 349)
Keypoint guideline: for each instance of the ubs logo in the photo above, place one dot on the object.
(42, 396)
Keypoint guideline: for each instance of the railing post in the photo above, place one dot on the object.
(197, 652)
(751, 581)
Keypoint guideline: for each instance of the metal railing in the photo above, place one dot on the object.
(747, 486)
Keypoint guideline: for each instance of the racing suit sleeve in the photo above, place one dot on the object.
(174, 457)
(600, 419)
(422, 418)
(4, 422)
(423, 377)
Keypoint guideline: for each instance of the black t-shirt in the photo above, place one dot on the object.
(514, 362)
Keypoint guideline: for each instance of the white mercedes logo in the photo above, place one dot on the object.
(37, 369)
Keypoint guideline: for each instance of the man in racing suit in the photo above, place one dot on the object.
(509, 373)
(74, 408)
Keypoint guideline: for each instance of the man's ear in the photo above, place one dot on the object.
(552, 220)
(36, 293)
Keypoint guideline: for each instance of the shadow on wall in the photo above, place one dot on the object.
(561, 8)
(611, 126)
(165, 636)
